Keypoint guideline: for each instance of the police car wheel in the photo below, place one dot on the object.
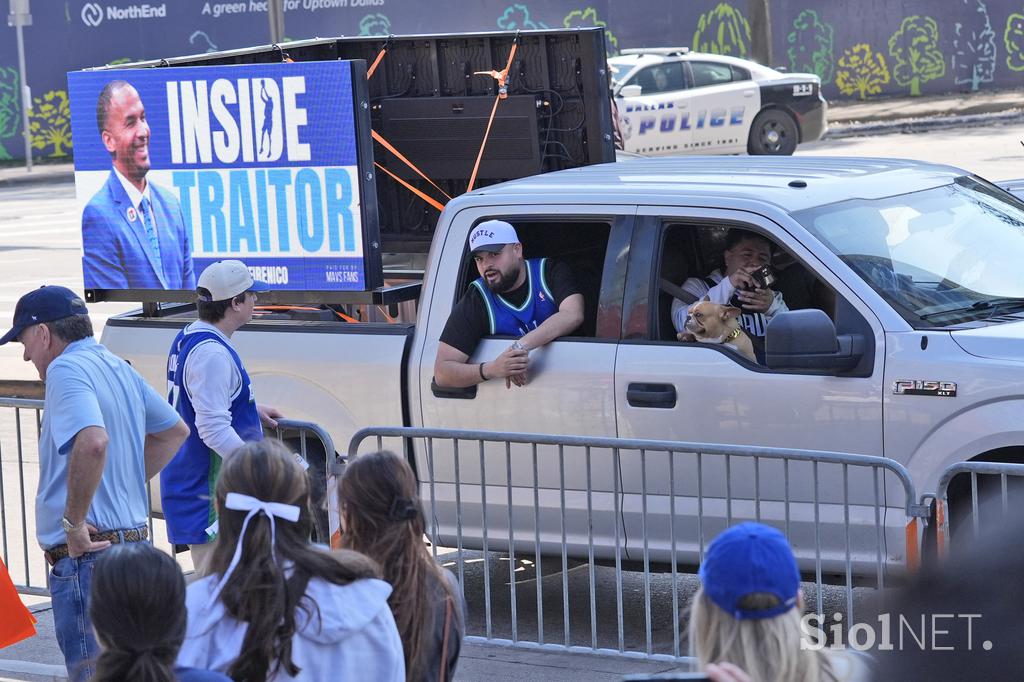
(773, 132)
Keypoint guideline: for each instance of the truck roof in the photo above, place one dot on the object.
(698, 180)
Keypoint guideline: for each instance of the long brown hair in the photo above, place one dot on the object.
(384, 521)
(258, 592)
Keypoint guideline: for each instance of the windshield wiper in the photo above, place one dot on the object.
(993, 304)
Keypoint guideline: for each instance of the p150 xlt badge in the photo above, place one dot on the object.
(941, 389)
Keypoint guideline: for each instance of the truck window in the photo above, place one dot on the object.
(580, 245)
(696, 251)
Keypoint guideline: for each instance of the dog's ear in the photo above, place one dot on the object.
(730, 312)
(706, 299)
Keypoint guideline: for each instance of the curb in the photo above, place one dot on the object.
(36, 177)
(919, 125)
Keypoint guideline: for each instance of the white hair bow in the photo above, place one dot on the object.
(240, 502)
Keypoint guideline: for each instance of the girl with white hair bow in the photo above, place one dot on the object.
(276, 607)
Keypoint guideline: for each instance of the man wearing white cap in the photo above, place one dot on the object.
(535, 300)
(211, 390)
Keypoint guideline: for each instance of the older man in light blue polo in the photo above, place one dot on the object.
(105, 432)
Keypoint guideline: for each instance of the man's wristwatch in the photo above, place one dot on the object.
(70, 527)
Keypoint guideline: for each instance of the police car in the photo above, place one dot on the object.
(673, 101)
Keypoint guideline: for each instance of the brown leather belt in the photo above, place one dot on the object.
(55, 554)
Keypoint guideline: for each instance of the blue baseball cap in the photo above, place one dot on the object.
(746, 559)
(45, 304)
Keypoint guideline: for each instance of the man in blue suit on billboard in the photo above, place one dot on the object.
(133, 232)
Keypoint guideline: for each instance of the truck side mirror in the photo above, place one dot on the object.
(806, 339)
(630, 91)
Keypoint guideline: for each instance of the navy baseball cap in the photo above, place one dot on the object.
(45, 304)
(746, 559)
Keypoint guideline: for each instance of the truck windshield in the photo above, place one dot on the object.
(944, 256)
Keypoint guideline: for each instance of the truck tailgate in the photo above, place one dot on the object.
(341, 376)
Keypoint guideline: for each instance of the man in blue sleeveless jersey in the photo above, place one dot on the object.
(211, 390)
(535, 300)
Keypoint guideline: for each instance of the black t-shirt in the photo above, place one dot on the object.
(469, 322)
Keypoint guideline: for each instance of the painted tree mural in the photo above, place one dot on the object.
(583, 18)
(517, 17)
(811, 46)
(10, 107)
(915, 50)
(974, 42)
(723, 30)
(1013, 39)
(201, 40)
(50, 123)
(374, 25)
(861, 71)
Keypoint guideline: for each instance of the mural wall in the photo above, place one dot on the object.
(873, 48)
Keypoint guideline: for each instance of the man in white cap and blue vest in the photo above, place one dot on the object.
(533, 299)
(212, 392)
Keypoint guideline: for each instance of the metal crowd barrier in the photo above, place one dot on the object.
(20, 425)
(988, 473)
(316, 447)
(19, 471)
(525, 508)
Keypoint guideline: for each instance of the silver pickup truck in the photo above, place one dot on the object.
(914, 268)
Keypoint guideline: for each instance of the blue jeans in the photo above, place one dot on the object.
(70, 581)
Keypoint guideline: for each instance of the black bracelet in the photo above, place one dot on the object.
(482, 377)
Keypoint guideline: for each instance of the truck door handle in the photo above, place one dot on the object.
(651, 395)
(748, 93)
(467, 393)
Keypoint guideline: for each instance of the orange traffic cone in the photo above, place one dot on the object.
(17, 623)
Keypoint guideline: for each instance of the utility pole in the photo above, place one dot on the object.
(761, 31)
(19, 17)
(275, 8)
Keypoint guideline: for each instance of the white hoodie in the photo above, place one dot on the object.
(355, 637)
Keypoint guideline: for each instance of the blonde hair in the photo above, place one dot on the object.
(767, 649)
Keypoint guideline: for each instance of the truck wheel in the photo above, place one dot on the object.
(773, 132)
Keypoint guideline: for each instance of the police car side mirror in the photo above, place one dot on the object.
(630, 91)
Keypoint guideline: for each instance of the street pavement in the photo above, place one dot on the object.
(39, 232)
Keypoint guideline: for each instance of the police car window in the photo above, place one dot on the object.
(709, 73)
(740, 74)
(661, 78)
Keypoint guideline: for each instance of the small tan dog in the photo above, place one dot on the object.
(709, 322)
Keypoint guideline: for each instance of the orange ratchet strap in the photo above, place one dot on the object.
(501, 77)
(286, 308)
(426, 197)
(401, 157)
(387, 145)
(376, 62)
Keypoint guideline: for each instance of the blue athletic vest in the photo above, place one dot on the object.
(538, 306)
(187, 482)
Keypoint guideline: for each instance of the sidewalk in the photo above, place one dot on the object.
(846, 118)
(918, 114)
(929, 106)
(41, 174)
(38, 659)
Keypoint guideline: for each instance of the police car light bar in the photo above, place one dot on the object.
(667, 51)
